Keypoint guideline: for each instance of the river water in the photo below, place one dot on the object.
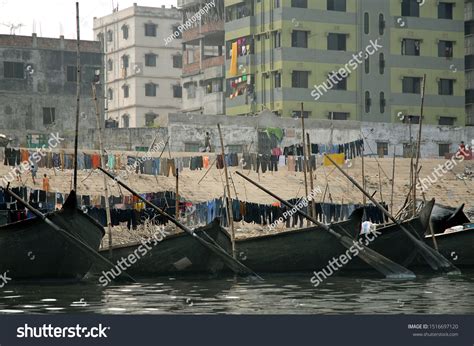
(277, 294)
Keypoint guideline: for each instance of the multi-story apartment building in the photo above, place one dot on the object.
(142, 64)
(469, 60)
(279, 51)
(38, 83)
(203, 75)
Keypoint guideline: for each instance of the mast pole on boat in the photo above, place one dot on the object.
(393, 180)
(177, 194)
(78, 94)
(305, 162)
(103, 165)
(311, 180)
(364, 199)
(418, 149)
(228, 199)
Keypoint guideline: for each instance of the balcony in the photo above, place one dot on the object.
(195, 68)
(209, 29)
(469, 80)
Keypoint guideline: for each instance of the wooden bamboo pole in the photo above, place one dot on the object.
(103, 165)
(177, 194)
(229, 211)
(311, 180)
(418, 145)
(78, 94)
(393, 180)
(305, 162)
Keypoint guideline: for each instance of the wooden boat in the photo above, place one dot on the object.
(174, 254)
(444, 217)
(32, 250)
(457, 246)
(311, 249)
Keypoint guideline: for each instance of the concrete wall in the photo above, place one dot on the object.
(243, 131)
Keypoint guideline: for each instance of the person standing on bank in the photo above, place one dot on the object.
(34, 170)
(46, 183)
(207, 142)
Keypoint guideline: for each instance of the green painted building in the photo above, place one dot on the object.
(315, 52)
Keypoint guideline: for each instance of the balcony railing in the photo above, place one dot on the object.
(206, 63)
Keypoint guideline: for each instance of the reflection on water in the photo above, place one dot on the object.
(278, 294)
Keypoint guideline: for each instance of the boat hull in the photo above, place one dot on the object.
(175, 254)
(32, 250)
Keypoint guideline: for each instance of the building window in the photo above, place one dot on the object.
(125, 61)
(177, 91)
(277, 77)
(339, 115)
(150, 29)
(110, 65)
(276, 39)
(337, 41)
(448, 121)
(13, 70)
(382, 149)
(411, 119)
(368, 102)
(297, 114)
(178, 61)
(150, 60)
(125, 121)
(71, 73)
(445, 10)
(49, 115)
(299, 3)
(150, 119)
(276, 4)
(410, 8)
(339, 82)
(382, 102)
(191, 90)
(175, 29)
(366, 23)
(336, 5)
(411, 85)
(445, 49)
(446, 87)
(367, 64)
(110, 94)
(299, 39)
(150, 89)
(443, 149)
(125, 32)
(381, 63)
(126, 91)
(381, 24)
(300, 79)
(411, 47)
(110, 36)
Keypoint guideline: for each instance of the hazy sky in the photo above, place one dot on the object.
(55, 17)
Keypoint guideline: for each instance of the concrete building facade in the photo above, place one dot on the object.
(142, 69)
(286, 48)
(203, 75)
(38, 86)
(469, 60)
